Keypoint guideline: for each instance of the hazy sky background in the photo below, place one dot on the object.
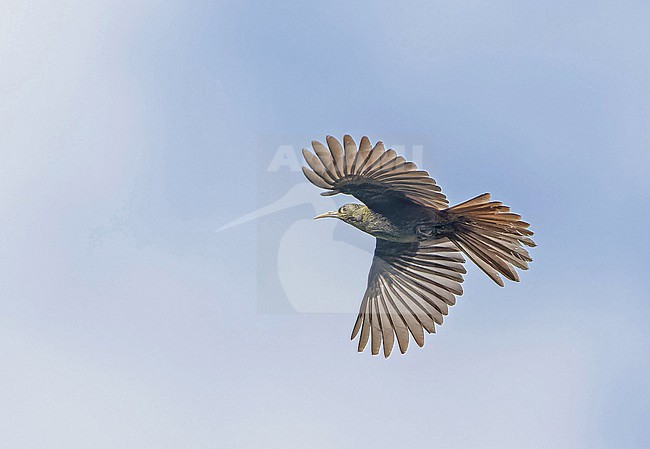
(131, 131)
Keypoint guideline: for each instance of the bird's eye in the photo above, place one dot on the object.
(343, 209)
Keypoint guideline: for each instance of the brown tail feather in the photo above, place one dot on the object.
(492, 237)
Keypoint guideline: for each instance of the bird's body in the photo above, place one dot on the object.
(412, 223)
(417, 267)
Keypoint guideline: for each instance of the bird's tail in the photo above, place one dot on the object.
(491, 236)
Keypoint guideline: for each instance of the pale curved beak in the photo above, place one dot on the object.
(330, 214)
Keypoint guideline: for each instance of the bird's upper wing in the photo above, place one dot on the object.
(374, 175)
(410, 288)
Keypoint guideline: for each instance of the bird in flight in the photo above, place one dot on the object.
(417, 266)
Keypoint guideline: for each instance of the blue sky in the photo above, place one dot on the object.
(132, 131)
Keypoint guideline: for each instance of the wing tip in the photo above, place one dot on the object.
(331, 138)
(316, 143)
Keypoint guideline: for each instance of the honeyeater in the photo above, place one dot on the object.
(417, 268)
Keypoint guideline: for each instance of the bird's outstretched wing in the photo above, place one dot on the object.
(374, 175)
(410, 288)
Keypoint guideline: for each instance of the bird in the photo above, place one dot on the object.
(418, 263)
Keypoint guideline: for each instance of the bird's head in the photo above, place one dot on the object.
(349, 213)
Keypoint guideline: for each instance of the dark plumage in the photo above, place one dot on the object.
(417, 268)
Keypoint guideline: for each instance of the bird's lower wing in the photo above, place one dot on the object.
(374, 175)
(410, 289)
